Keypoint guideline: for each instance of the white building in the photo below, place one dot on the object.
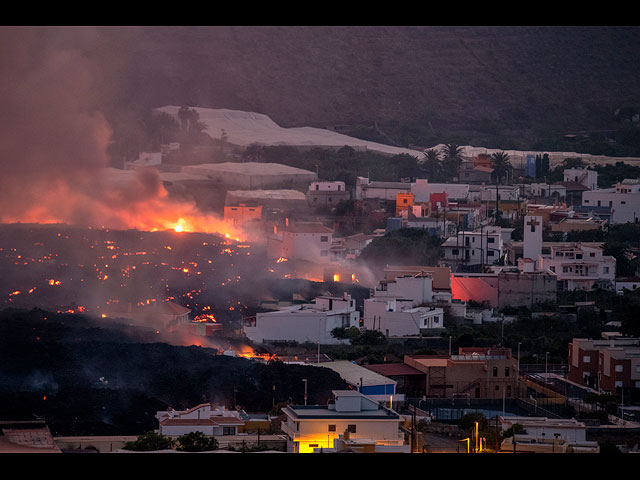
(422, 190)
(383, 190)
(350, 417)
(474, 248)
(630, 283)
(532, 247)
(547, 190)
(327, 193)
(579, 266)
(506, 192)
(583, 176)
(397, 307)
(203, 418)
(568, 429)
(624, 199)
(305, 323)
(303, 241)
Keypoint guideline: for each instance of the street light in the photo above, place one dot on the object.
(546, 366)
(305, 390)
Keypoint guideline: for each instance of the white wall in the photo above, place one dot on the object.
(629, 211)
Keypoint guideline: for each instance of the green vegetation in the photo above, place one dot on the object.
(149, 442)
(196, 442)
(407, 246)
(358, 337)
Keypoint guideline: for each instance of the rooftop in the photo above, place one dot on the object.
(245, 168)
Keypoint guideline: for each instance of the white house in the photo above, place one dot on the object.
(548, 190)
(351, 416)
(305, 323)
(422, 190)
(384, 190)
(624, 199)
(548, 435)
(397, 307)
(303, 241)
(579, 266)
(583, 176)
(327, 193)
(630, 283)
(474, 248)
(205, 418)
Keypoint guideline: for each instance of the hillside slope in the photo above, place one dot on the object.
(478, 82)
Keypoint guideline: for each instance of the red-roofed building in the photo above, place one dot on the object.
(26, 437)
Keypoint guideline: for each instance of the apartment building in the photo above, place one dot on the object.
(605, 364)
(579, 266)
(623, 199)
(473, 247)
(479, 372)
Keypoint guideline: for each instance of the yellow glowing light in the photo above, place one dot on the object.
(178, 228)
(336, 277)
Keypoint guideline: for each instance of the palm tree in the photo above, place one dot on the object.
(501, 169)
(452, 157)
(431, 163)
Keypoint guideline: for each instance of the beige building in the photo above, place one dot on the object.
(478, 372)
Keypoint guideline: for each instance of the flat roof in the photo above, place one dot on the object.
(321, 412)
(353, 373)
(391, 369)
(246, 168)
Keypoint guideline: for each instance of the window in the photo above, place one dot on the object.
(313, 445)
(586, 359)
(228, 430)
(317, 187)
(619, 368)
(619, 384)
(490, 253)
(592, 254)
(553, 268)
(454, 251)
(605, 269)
(324, 238)
(497, 388)
(351, 428)
(506, 371)
(495, 371)
(491, 240)
(332, 428)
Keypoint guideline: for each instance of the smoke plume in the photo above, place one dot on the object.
(54, 138)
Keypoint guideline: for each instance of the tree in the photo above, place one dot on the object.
(196, 442)
(432, 164)
(452, 154)
(150, 441)
(501, 169)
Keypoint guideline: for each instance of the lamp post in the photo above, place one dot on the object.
(546, 366)
(305, 390)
